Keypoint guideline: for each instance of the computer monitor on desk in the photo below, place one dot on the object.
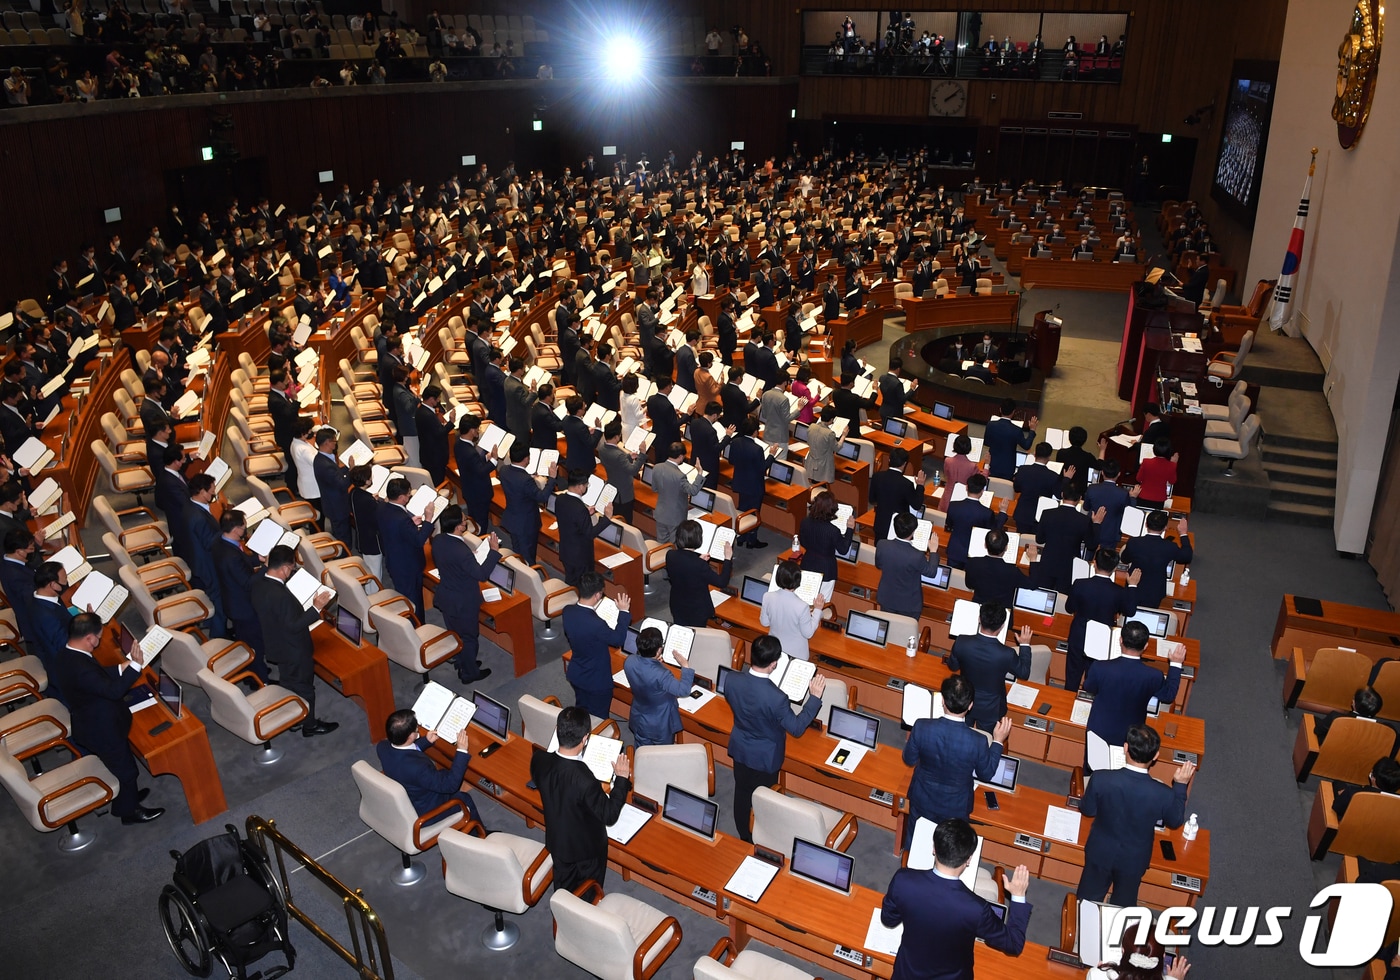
(822, 865)
(1156, 622)
(799, 431)
(854, 726)
(940, 577)
(942, 411)
(1005, 776)
(171, 694)
(347, 624)
(849, 450)
(754, 590)
(690, 812)
(1038, 601)
(781, 472)
(491, 716)
(503, 577)
(612, 534)
(871, 629)
(898, 428)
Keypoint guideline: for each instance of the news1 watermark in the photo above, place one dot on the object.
(1355, 936)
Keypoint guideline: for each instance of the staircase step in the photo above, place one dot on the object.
(1279, 441)
(1322, 459)
(1301, 493)
(1314, 476)
(1296, 513)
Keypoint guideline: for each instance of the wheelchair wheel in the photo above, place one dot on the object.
(185, 932)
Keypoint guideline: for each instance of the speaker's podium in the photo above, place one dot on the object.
(1147, 345)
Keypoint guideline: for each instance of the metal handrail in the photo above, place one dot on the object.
(370, 953)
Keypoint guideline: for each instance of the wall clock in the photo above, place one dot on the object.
(1358, 58)
(948, 98)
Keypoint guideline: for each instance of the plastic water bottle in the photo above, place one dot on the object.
(1192, 827)
(911, 645)
(796, 546)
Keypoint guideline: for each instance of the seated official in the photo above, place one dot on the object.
(1365, 703)
(943, 918)
(1384, 778)
(402, 759)
(788, 618)
(655, 718)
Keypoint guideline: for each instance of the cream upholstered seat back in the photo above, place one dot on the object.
(748, 965)
(778, 820)
(689, 767)
(385, 809)
(538, 719)
(492, 870)
(711, 650)
(606, 939)
(40, 799)
(255, 717)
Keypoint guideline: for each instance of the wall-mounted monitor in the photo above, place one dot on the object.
(1244, 137)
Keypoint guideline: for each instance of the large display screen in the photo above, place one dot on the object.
(1244, 136)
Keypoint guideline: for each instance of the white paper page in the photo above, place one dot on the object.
(422, 498)
(1079, 714)
(965, 621)
(608, 612)
(30, 453)
(55, 527)
(265, 537)
(679, 639)
(853, 754)
(44, 495)
(1062, 823)
(457, 717)
(881, 939)
(358, 454)
(919, 703)
(796, 677)
(699, 697)
(304, 586)
(629, 821)
(73, 563)
(843, 514)
(1100, 641)
(600, 754)
(432, 704)
(1021, 695)
(93, 590)
(751, 879)
(152, 643)
(1134, 522)
(921, 852)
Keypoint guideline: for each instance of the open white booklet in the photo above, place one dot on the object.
(441, 711)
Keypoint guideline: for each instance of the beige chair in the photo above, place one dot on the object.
(358, 387)
(778, 820)
(178, 612)
(835, 693)
(60, 796)
(502, 872)
(130, 413)
(22, 678)
(185, 656)
(385, 809)
(1218, 413)
(742, 523)
(286, 510)
(250, 368)
(548, 596)
(417, 647)
(1226, 364)
(34, 728)
(135, 479)
(386, 452)
(538, 720)
(127, 449)
(1229, 426)
(260, 440)
(1237, 448)
(160, 575)
(251, 463)
(358, 590)
(258, 717)
(724, 963)
(259, 422)
(653, 553)
(711, 650)
(901, 628)
(139, 539)
(690, 767)
(614, 937)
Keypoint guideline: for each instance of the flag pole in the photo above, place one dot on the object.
(1284, 310)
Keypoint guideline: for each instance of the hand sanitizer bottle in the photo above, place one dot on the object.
(796, 546)
(1192, 827)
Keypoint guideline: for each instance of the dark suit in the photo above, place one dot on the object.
(333, 480)
(993, 579)
(891, 492)
(1152, 554)
(579, 441)
(1063, 534)
(901, 565)
(665, 425)
(705, 449)
(544, 427)
(576, 533)
(17, 581)
(153, 414)
(432, 443)
(286, 630)
(1125, 804)
(50, 635)
(691, 578)
(236, 570)
(947, 755)
(172, 498)
(764, 365)
(820, 543)
(474, 469)
(201, 534)
(1032, 483)
(942, 920)
(100, 718)
(763, 718)
(402, 544)
(1082, 460)
(284, 414)
(655, 717)
(963, 516)
(751, 465)
(1100, 599)
(1122, 687)
(590, 669)
(985, 662)
(577, 814)
(428, 787)
(521, 518)
(1003, 438)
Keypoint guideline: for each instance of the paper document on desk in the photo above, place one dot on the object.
(629, 821)
(696, 699)
(752, 879)
(1125, 440)
(621, 678)
(600, 754)
(1062, 823)
(879, 938)
(1079, 714)
(1021, 695)
(846, 756)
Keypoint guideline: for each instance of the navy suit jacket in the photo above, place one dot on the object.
(942, 921)
(1152, 554)
(474, 469)
(333, 481)
(1062, 534)
(1126, 805)
(101, 719)
(524, 500)
(589, 637)
(655, 713)
(691, 579)
(993, 579)
(459, 588)
(235, 569)
(172, 494)
(202, 534)
(1032, 482)
(576, 533)
(751, 465)
(1098, 598)
(763, 717)
(1114, 500)
(891, 493)
(17, 580)
(1121, 688)
(1002, 439)
(51, 621)
(579, 441)
(901, 565)
(820, 544)
(402, 543)
(947, 755)
(962, 517)
(985, 662)
(428, 786)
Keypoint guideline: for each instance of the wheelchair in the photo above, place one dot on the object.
(225, 901)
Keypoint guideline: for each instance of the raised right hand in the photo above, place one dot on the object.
(1020, 881)
(817, 684)
(1002, 730)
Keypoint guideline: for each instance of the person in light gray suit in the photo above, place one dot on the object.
(673, 492)
(821, 448)
(520, 401)
(622, 468)
(775, 413)
(787, 617)
(901, 565)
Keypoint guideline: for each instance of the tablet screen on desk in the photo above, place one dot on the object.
(781, 472)
(704, 499)
(854, 726)
(754, 590)
(897, 428)
(871, 629)
(1005, 776)
(722, 678)
(848, 450)
(939, 579)
(549, 502)
(695, 813)
(1040, 601)
(170, 693)
(347, 624)
(491, 715)
(629, 640)
(822, 865)
(646, 473)
(1156, 622)
(942, 411)
(503, 577)
(612, 534)
(852, 553)
(799, 431)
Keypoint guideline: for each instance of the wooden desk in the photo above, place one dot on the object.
(784, 506)
(509, 624)
(1101, 276)
(358, 672)
(934, 430)
(1374, 632)
(865, 327)
(998, 311)
(182, 750)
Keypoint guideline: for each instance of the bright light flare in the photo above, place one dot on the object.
(622, 58)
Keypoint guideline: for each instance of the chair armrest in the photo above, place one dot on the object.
(1295, 678)
(844, 833)
(432, 816)
(15, 690)
(6, 731)
(140, 510)
(178, 600)
(590, 886)
(551, 594)
(668, 924)
(999, 876)
(1305, 748)
(388, 606)
(474, 828)
(63, 791)
(710, 768)
(245, 675)
(723, 951)
(245, 657)
(551, 699)
(423, 648)
(164, 535)
(264, 712)
(530, 895)
(612, 730)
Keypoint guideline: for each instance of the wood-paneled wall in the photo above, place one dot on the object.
(62, 172)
